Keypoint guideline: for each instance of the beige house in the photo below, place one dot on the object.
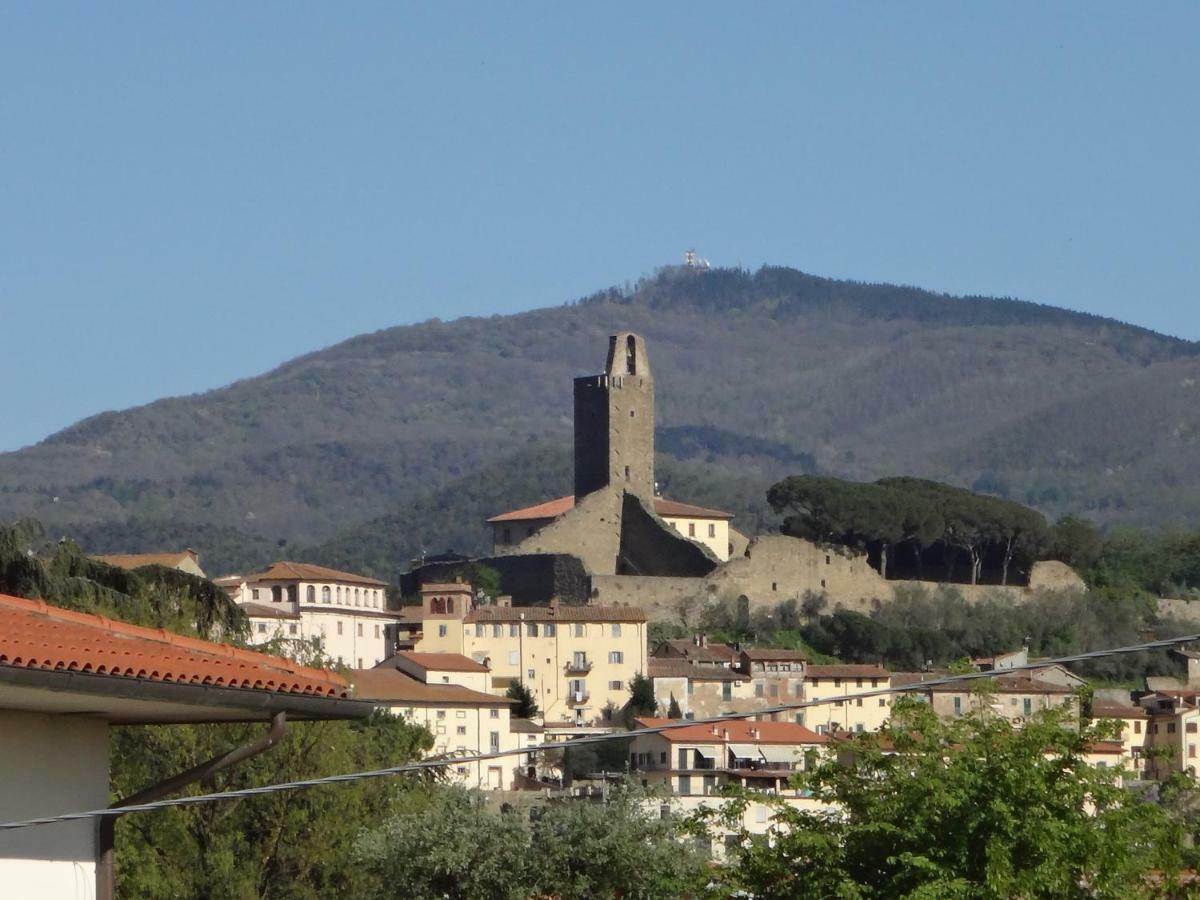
(301, 601)
(577, 660)
(709, 527)
(833, 684)
(700, 691)
(1016, 697)
(1173, 743)
(443, 692)
(184, 560)
(697, 649)
(1134, 734)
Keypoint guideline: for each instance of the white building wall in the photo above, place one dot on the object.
(468, 730)
(52, 764)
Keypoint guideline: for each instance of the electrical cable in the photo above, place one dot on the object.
(441, 762)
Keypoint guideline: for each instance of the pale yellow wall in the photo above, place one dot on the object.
(348, 647)
(477, 724)
(1134, 736)
(712, 533)
(1177, 748)
(857, 714)
(1010, 705)
(705, 698)
(513, 653)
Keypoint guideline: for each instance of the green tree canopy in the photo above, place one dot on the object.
(969, 808)
(526, 706)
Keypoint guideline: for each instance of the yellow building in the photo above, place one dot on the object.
(1173, 743)
(1134, 723)
(1016, 697)
(442, 692)
(576, 660)
(843, 713)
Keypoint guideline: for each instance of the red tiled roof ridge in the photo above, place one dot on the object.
(301, 570)
(163, 636)
(552, 509)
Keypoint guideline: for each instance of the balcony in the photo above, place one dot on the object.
(578, 698)
(578, 667)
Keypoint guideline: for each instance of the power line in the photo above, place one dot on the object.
(441, 762)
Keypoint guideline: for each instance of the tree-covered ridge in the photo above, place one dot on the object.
(764, 374)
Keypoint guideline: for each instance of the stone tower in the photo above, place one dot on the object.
(614, 422)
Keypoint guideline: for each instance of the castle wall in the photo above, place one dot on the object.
(649, 546)
(590, 531)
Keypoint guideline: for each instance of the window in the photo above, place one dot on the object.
(1028, 705)
(277, 594)
(262, 627)
(478, 630)
(507, 535)
(441, 714)
(326, 594)
(816, 682)
(685, 784)
(461, 729)
(774, 585)
(579, 630)
(1170, 728)
(874, 682)
(360, 662)
(760, 690)
(1191, 751)
(496, 630)
(360, 630)
(822, 582)
(514, 630)
(627, 473)
(339, 624)
(691, 687)
(531, 674)
(837, 682)
(494, 741)
(1191, 727)
(310, 595)
(616, 630)
(712, 530)
(339, 593)
(691, 529)
(616, 686)
(858, 682)
(883, 701)
(726, 690)
(493, 713)
(958, 706)
(760, 815)
(827, 560)
(253, 593)
(549, 630)
(514, 658)
(1137, 727)
(376, 631)
(293, 593)
(291, 629)
(531, 629)
(442, 631)
(616, 657)
(357, 598)
(858, 702)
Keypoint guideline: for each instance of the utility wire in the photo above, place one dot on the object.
(441, 762)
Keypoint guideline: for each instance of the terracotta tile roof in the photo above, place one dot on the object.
(137, 560)
(525, 726)
(1115, 747)
(36, 636)
(1006, 684)
(394, 686)
(665, 667)
(552, 509)
(756, 654)
(440, 662)
(903, 679)
(683, 647)
(1117, 711)
(847, 671)
(737, 731)
(294, 571)
(268, 611)
(556, 614)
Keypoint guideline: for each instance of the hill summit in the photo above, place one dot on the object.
(402, 441)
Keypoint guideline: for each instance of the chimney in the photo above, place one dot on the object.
(704, 640)
(726, 734)
(504, 600)
(755, 733)
(716, 731)
(554, 603)
(695, 640)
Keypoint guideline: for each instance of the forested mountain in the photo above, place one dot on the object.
(403, 440)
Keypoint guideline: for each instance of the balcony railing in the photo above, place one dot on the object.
(578, 698)
(578, 667)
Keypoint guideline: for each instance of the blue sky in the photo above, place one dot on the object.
(191, 194)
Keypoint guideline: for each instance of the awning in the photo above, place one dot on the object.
(780, 754)
(744, 751)
(707, 754)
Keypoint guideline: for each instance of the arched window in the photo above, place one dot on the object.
(450, 605)
(276, 594)
(631, 355)
(357, 598)
(310, 595)
(325, 594)
(339, 594)
(378, 599)
(293, 593)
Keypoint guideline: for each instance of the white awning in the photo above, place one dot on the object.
(707, 754)
(745, 751)
(779, 753)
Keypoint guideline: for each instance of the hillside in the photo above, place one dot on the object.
(405, 439)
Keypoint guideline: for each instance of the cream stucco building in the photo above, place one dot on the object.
(446, 693)
(300, 601)
(577, 660)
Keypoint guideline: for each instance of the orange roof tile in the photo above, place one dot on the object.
(441, 662)
(137, 560)
(395, 686)
(34, 635)
(737, 731)
(552, 509)
(294, 571)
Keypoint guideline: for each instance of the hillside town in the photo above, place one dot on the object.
(564, 636)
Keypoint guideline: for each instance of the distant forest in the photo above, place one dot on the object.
(405, 440)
